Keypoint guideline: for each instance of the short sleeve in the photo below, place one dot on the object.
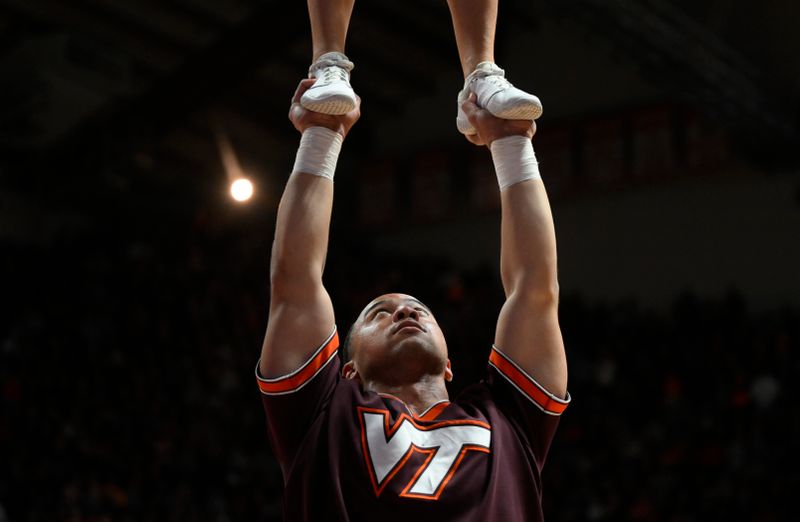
(294, 401)
(532, 409)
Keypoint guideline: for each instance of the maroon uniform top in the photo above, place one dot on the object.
(349, 454)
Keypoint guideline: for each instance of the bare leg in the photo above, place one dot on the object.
(331, 92)
(329, 22)
(474, 22)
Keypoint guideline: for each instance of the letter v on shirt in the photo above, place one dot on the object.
(445, 445)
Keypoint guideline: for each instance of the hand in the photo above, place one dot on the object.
(490, 127)
(303, 118)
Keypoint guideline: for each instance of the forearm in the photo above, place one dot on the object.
(301, 233)
(304, 215)
(528, 242)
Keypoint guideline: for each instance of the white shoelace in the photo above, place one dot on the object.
(499, 81)
(332, 74)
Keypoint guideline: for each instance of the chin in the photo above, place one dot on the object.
(418, 352)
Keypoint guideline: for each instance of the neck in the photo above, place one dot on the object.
(418, 396)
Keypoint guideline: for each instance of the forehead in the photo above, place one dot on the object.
(392, 298)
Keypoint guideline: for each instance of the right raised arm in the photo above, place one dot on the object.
(300, 312)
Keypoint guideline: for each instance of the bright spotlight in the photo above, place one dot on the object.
(241, 189)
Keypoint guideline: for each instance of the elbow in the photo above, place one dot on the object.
(537, 293)
(288, 282)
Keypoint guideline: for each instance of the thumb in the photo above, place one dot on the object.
(302, 87)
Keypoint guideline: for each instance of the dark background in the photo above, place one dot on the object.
(135, 289)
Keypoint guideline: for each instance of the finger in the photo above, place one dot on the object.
(302, 87)
(357, 108)
(470, 108)
(354, 115)
(474, 139)
(295, 113)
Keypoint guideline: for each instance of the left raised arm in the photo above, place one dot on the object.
(528, 331)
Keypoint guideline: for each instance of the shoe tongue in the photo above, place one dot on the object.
(484, 69)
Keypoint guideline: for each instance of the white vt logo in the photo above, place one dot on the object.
(387, 450)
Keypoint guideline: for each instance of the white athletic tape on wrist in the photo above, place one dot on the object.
(318, 151)
(514, 160)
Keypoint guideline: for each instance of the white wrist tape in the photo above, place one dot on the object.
(318, 151)
(514, 160)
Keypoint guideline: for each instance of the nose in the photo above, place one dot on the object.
(405, 312)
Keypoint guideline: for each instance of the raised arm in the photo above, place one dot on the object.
(527, 328)
(300, 312)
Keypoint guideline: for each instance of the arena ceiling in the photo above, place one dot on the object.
(110, 94)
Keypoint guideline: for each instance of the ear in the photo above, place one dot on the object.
(448, 372)
(349, 371)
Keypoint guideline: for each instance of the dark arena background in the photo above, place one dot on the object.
(135, 288)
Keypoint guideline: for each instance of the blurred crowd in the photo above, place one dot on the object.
(128, 393)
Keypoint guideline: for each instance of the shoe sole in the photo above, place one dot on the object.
(335, 106)
(527, 111)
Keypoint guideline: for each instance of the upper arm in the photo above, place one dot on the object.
(300, 318)
(528, 333)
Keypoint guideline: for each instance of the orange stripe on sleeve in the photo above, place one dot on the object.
(548, 402)
(298, 378)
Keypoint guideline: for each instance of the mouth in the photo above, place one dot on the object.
(409, 326)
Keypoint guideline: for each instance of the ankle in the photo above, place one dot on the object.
(472, 63)
(320, 50)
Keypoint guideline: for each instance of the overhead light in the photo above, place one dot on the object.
(241, 190)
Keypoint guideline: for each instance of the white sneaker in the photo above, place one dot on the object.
(332, 93)
(496, 95)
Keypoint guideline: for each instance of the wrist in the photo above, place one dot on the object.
(514, 160)
(318, 152)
